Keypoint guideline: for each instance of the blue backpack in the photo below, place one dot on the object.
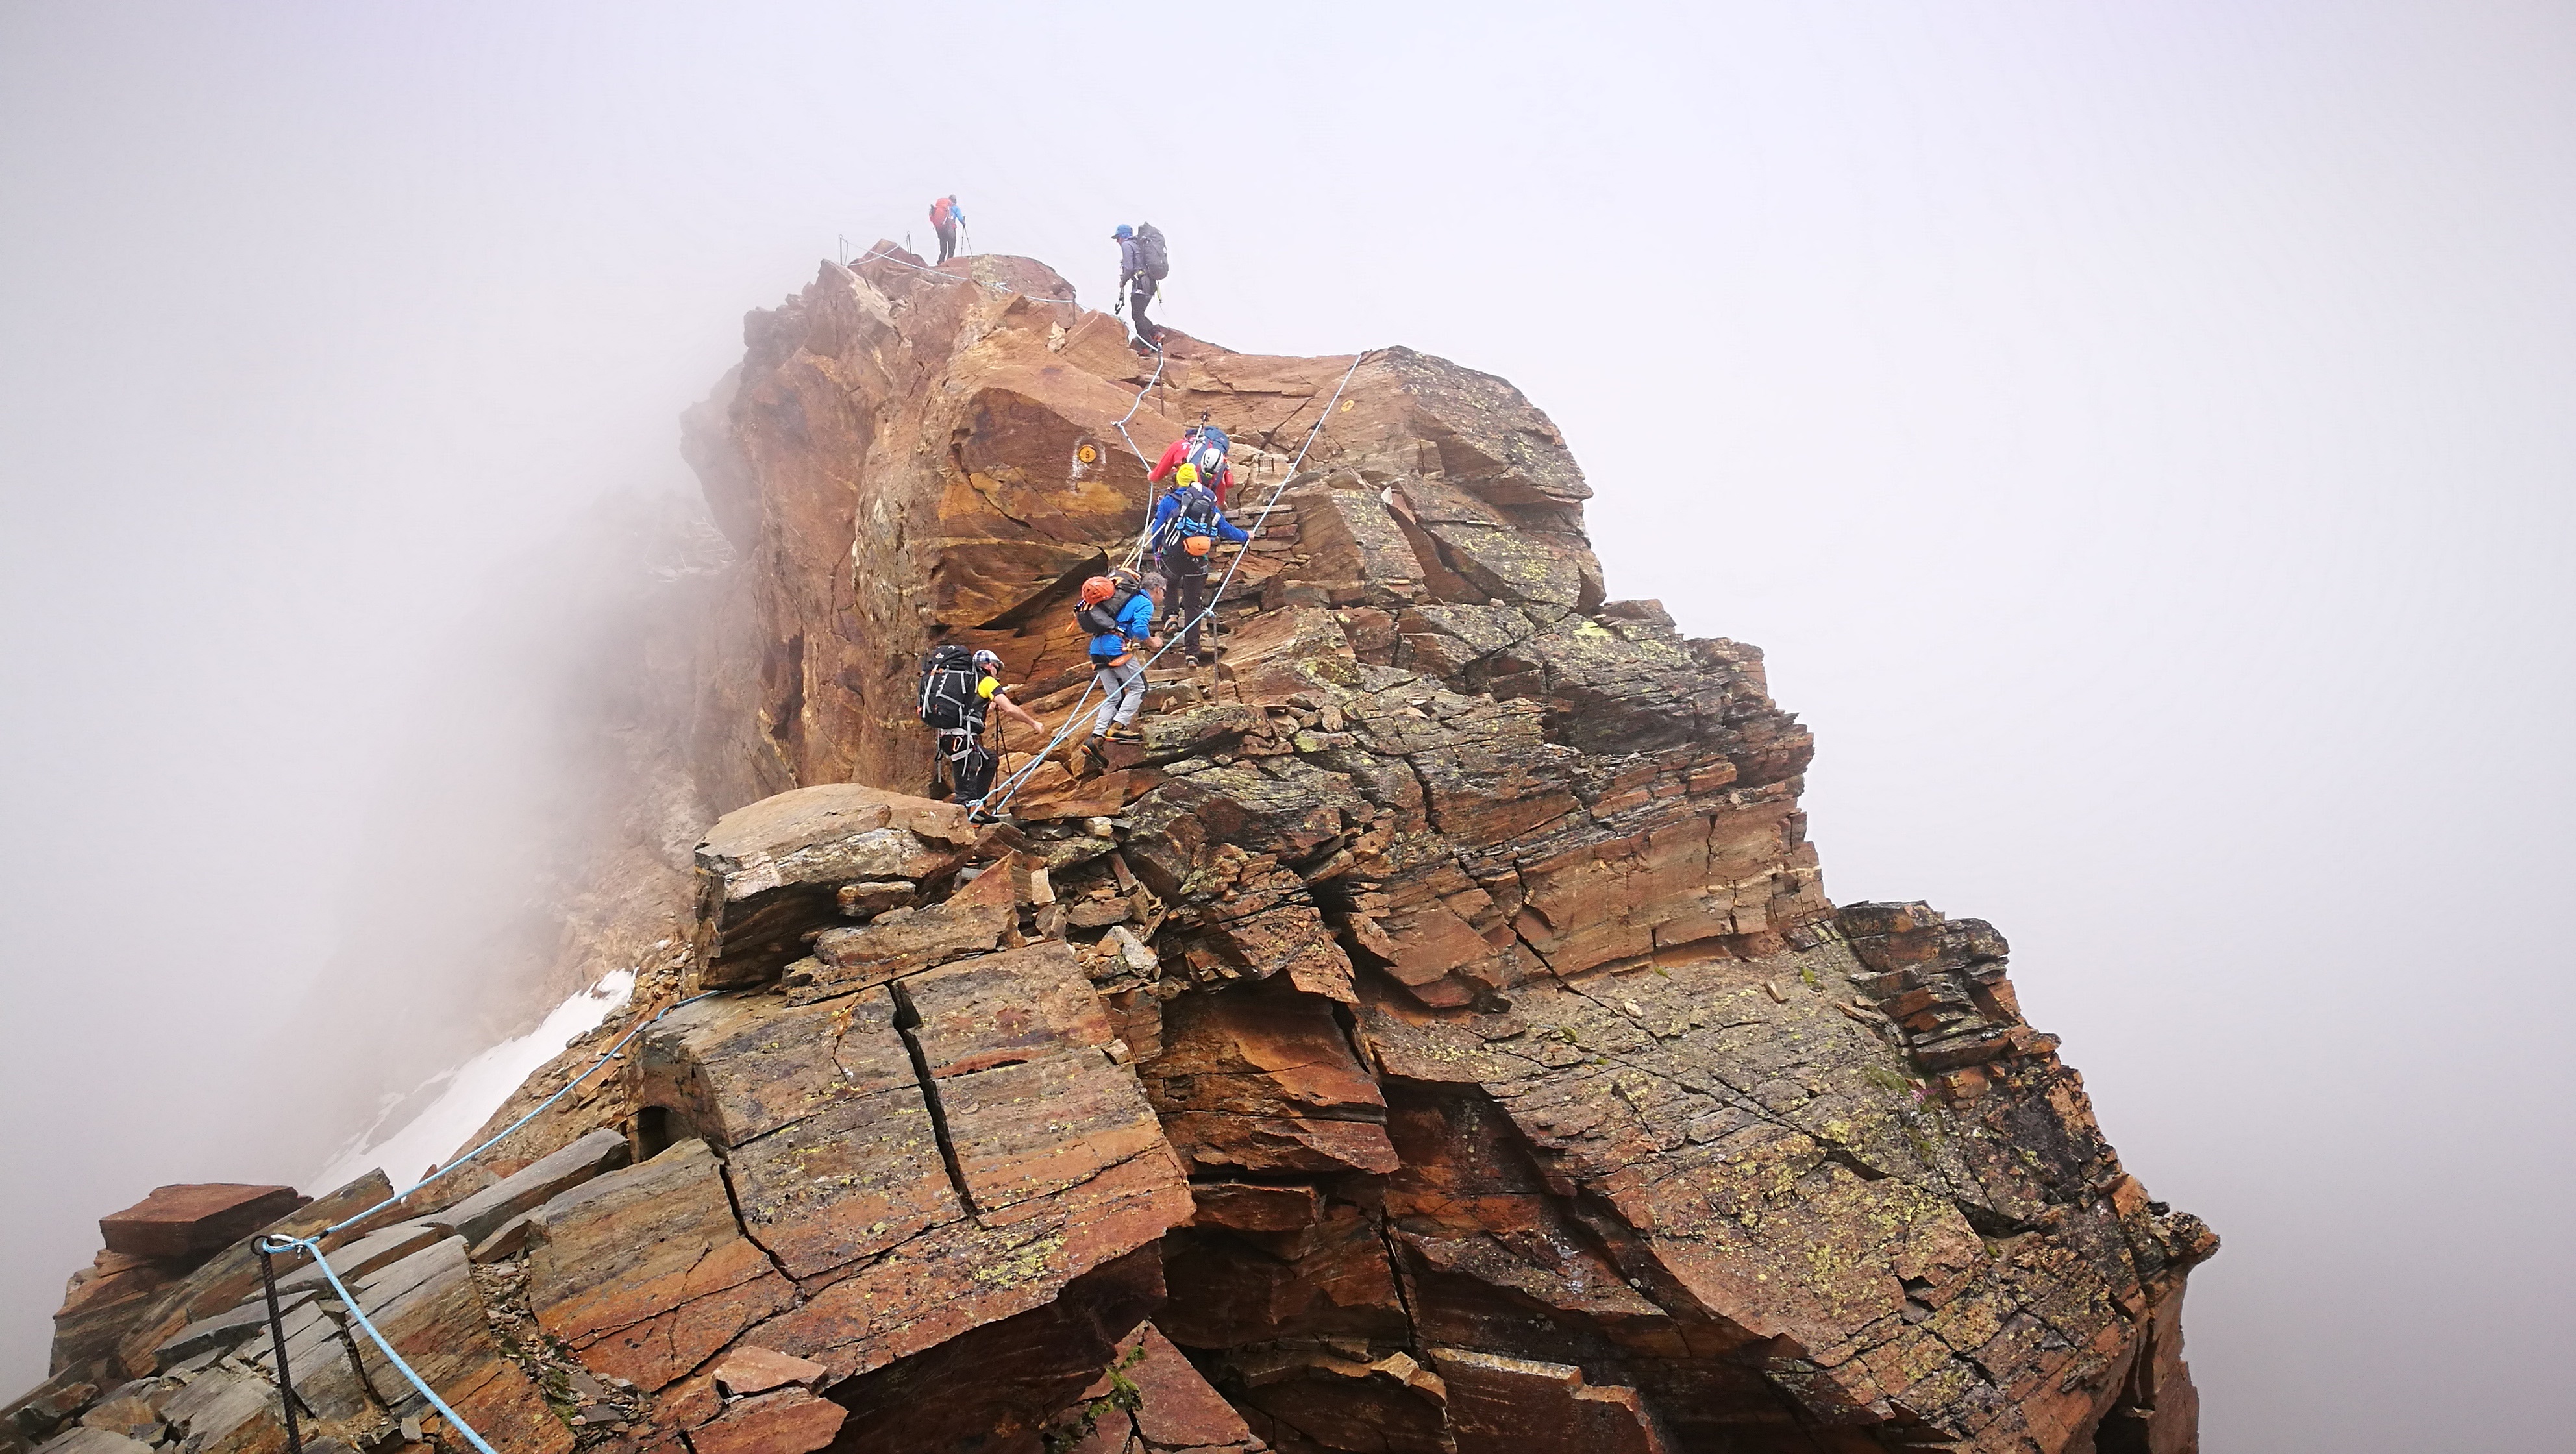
(1209, 437)
(1196, 516)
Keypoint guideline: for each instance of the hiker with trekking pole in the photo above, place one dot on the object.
(1143, 263)
(947, 219)
(959, 689)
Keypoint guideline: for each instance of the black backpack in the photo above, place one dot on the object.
(950, 701)
(1150, 254)
(1102, 619)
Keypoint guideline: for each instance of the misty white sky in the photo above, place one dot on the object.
(2140, 434)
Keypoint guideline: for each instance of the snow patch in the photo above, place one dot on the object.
(462, 1099)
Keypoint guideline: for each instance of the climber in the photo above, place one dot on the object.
(1206, 446)
(945, 218)
(1117, 613)
(958, 693)
(1143, 263)
(1188, 522)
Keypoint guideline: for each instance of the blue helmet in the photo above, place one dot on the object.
(1124, 232)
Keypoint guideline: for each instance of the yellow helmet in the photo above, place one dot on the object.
(1186, 476)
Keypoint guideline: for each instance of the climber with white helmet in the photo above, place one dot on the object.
(1143, 263)
(959, 689)
(1188, 522)
(1205, 446)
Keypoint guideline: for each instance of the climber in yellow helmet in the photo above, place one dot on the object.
(1186, 527)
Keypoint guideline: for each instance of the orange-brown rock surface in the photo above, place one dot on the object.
(1431, 1035)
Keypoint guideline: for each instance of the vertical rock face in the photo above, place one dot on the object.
(1431, 1035)
(1529, 1086)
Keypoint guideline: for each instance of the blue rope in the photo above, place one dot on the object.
(605, 1057)
(271, 1246)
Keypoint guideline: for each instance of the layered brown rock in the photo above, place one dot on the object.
(1261, 1078)
(1434, 1021)
(644, 1271)
(1486, 978)
(1152, 1401)
(177, 1220)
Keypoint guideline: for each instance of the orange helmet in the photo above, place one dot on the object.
(1096, 590)
(1199, 544)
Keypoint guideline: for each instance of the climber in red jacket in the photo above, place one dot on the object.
(1206, 447)
(945, 218)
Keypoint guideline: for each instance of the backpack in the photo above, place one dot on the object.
(1197, 516)
(1203, 439)
(1102, 619)
(1150, 254)
(949, 700)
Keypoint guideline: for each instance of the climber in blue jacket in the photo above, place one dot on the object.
(1187, 524)
(1117, 613)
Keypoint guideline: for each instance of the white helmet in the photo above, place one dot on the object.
(990, 659)
(1210, 461)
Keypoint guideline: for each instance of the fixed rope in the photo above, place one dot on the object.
(269, 1247)
(605, 1057)
(1011, 785)
(1136, 550)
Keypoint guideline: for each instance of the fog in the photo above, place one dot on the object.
(2141, 435)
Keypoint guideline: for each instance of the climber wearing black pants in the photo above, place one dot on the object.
(1143, 263)
(1140, 291)
(1185, 528)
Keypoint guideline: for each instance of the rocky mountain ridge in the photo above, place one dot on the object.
(1432, 1035)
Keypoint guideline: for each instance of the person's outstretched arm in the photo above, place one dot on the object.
(1019, 713)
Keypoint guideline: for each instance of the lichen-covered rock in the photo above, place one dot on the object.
(1433, 1020)
(644, 1271)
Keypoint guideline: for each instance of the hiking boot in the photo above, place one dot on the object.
(1124, 733)
(1189, 663)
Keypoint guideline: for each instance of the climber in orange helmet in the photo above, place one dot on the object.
(1118, 616)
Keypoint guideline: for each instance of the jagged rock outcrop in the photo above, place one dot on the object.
(1432, 1035)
